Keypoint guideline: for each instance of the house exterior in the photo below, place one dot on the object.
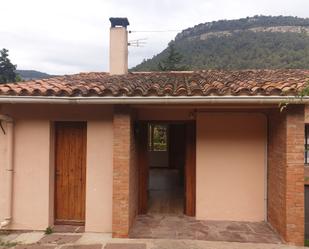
(73, 149)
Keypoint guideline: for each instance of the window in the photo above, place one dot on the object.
(157, 137)
(307, 144)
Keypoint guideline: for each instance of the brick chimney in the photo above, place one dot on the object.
(118, 48)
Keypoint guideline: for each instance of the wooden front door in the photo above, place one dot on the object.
(70, 167)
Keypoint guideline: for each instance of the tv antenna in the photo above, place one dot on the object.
(138, 42)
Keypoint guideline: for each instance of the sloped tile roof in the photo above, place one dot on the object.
(199, 83)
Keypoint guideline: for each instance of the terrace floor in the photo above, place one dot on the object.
(152, 226)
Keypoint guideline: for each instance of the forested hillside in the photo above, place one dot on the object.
(256, 42)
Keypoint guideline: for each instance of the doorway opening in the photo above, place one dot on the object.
(166, 158)
(166, 153)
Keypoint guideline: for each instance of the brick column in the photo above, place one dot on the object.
(124, 173)
(295, 131)
(286, 173)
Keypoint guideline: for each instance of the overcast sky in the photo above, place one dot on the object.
(71, 36)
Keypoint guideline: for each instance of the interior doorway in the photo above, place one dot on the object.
(166, 149)
(166, 157)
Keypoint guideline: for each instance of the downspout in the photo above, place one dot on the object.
(9, 170)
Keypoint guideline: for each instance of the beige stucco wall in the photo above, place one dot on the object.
(57, 112)
(99, 176)
(33, 202)
(3, 158)
(118, 50)
(31, 175)
(230, 166)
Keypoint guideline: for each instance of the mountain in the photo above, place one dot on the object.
(249, 43)
(32, 75)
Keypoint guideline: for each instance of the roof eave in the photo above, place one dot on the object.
(154, 100)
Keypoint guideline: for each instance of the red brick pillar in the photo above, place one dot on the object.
(295, 131)
(124, 172)
(286, 173)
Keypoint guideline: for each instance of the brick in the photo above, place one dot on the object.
(286, 173)
(125, 188)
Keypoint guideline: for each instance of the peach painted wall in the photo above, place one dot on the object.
(57, 112)
(99, 176)
(118, 50)
(31, 175)
(33, 203)
(230, 166)
(3, 158)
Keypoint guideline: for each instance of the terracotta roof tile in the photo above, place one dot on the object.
(199, 83)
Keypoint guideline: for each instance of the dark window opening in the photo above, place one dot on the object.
(158, 137)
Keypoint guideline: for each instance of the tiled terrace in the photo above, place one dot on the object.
(183, 227)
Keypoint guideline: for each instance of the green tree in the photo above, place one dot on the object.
(173, 60)
(7, 69)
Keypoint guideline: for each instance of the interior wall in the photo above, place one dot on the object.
(230, 166)
(177, 146)
(158, 159)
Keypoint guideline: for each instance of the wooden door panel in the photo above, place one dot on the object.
(70, 166)
(143, 167)
(306, 212)
(190, 170)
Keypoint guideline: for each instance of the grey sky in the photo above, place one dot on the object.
(71, 36)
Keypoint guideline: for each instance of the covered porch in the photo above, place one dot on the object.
(239, 169)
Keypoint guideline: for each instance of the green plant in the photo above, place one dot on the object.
(306, 242)
(7, 244)
(48, 230)
(300, 95)
(7, 69)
